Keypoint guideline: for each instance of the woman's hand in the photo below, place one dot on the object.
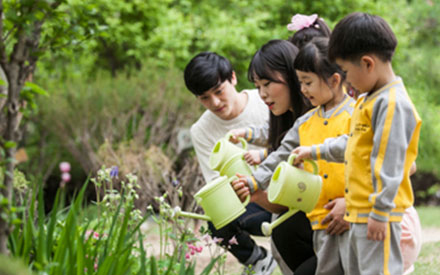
(240, 187)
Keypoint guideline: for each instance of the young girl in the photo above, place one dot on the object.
(272, 72)
(306, 27)
(321, 82)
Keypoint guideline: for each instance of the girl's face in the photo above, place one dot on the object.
(275, 94)
(316, 89)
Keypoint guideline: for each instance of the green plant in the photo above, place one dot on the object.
(74, 240)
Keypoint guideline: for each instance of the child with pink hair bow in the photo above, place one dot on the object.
(307, 27)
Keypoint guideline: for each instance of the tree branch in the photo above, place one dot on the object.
(3, 56)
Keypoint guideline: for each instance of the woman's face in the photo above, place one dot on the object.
(275, 94)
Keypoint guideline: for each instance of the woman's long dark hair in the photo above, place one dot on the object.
(277, 57)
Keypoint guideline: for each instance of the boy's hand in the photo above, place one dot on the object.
(236, 133)
(337, 225)
(302, 152)
(252, 157)
(377, 230)
(240, 187)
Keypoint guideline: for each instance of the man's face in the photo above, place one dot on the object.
(221, 100)
(357, 75)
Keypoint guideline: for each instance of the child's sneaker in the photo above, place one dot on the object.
(264, 266)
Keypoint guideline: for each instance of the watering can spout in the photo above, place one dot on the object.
(177, 212)
(267, 228)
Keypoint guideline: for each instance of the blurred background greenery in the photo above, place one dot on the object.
(116, 91)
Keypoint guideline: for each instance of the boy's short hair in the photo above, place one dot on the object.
(358, 34)
(206, 71)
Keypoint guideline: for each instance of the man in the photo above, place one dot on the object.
(211, 79)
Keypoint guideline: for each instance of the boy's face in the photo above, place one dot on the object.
(222, 100)
(357, 75)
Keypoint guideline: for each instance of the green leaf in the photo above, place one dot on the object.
(153, 266)
(10, 144)
(36, 89)
(143, 255)
(209, 267)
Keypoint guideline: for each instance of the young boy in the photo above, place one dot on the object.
(380, 147)
(211, 79)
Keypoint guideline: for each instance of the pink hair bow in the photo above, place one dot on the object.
(300, 22)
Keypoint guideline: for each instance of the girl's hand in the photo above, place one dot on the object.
(377, 230)
(252, 157)
(240, 187)
(236, 133)
(335, 218)
(302, 152)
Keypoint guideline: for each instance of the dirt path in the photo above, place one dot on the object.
(430, 234)
(232, 266)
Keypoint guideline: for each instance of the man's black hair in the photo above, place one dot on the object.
(205, 71)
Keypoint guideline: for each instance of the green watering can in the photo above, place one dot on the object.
(292, 187)
(219, 201)
(227, 158)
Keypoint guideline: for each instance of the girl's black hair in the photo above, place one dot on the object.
(276, 58)
(313, 57)
(318, 29)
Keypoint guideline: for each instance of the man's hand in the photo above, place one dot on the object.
(236, 133)
(377, 230)
(252, 157)
(240, 187)
(302, 152)
(337, 225)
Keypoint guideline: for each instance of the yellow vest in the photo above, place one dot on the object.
(314, 131)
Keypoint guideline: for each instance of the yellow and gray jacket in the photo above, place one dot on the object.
(378, 153)
(302, 130)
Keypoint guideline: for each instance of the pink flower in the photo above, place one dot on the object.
(199, 249)
(65, 167)
(217, 240)
(206, 238)
(187, 256)
(233, 240)
(300, 22)
(65, 177)
(92, 233)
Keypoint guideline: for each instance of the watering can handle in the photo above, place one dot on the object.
(312, 162)
(242, 140)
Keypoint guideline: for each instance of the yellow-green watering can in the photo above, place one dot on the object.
(227, 158)
(219, 201)
(292, 187)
